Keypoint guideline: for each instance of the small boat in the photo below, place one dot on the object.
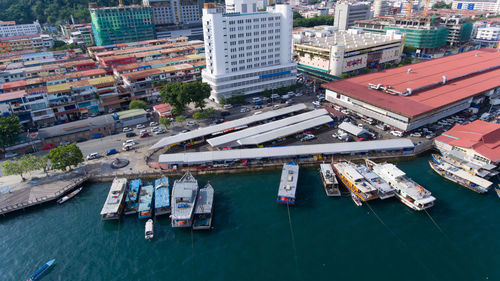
(41, 270)
(149, 231)
(288, 184)
(162, 196)
(145, 210)
(497, 190)
(356, 199)
(184, 194)
(203, 208)
(330, 182)
(69, 195)
(132, 200)
(115, 202)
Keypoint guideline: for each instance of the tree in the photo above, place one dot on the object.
(441, 5)
(20, 166)
(172, 94)
(197, 115)
(65, 156)
(197, 92)
(297, 15)
(43, 164)
(9, 129)
(180, 119)
(137, 104)
(165, 121)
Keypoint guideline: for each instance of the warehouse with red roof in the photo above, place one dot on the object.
(412, 96)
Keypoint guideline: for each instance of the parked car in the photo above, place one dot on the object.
(416, 134)
(244, 109)
(111, 152)
(381, 127)
(127, 142)
(257, 106)
(64, 143)
(81, 139)
(93, 155)
(397, 133)
(308, 137)
(298, 94)
(140, 126)
(127, 129)
(130, 134)
(144, 134)
(160, 131)
(257, 112)
(276, 106)
(152, 124)
(10, 155)
(48, 146)
(185, 131)
(227, 106)
(430, 136)
(316, 103)
(127, 147)
(154, 129)
(191, 123)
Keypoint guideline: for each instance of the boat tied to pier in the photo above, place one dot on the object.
(204, 208)
(132, 200)
(145, 210)
(458, 175)
(41, 270)
(329, 180)
(184, 194)
(162, 196)
(408, 192)
(384, 190)
(114, 204)
(148, 230)
(288, 183)
(69, 195)
(354, 181)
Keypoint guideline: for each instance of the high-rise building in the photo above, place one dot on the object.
(174, 11)
(347, 13)
(10, 28)
(241, 6)
(380, 8)
(247, 52)
(121, 24)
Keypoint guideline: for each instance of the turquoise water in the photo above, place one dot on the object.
(252, 239)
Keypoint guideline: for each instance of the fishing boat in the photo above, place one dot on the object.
(408, 192)
(329, 180)
(384, 190)
(69, 195)
(354, 181)
(356, 200)
(41, 270)
(288, 183)
(204, 208)
(162, 196)
(458, 175)
(145, 210)
(132, 200)
(184, 194)
(497, 190)
(115, 201)
(148, 230)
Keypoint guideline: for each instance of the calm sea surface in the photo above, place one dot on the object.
(254, 238)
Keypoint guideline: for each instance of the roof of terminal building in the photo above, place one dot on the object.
(76, 126)
(483, 137)
(467, 74)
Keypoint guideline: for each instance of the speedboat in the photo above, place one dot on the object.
(356, 200)
(41, 270)
(148, 231)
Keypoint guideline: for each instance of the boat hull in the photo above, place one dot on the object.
(286, 201)
(162, 211)
(69, 196)
(444, 175)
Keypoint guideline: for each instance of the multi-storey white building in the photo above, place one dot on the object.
(247, 52)
(347, 13)
(8, 29)
(478, 5)
(174, 11)
(488, 33)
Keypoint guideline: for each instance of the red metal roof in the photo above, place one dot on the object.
(481, 136)
(13, 84)
(458, 69)
(162, 108)
(13, 95)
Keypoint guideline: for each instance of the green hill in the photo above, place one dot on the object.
(51, 11)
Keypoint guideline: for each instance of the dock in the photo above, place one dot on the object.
(36, 193)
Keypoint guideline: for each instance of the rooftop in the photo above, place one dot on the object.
(12, 96)
(75, 127)
(483, 137)
(130, 113)
(467, 74)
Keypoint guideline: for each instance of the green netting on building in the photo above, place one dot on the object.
(121, 25)
(423, 38)
(466, 32)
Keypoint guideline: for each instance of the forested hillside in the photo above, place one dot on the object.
(51, 11)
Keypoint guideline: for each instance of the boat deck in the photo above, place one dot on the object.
(184, 194)
(145, 200)
(162, 196)
(329, 180)
(114, 202)
(204, 208)
(288, 183)
(384, 190)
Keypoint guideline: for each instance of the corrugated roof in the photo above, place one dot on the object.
(102, 80)
(285, 151)
(58, 88)
(11, 96)
(13, 84)
(130, 113)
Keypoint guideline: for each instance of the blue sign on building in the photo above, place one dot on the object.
(459, 6)
(275, 74)
(470, 6)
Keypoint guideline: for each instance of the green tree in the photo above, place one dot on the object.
(297, 15)
(180, 119)
(165, 121)
(65, 156)
(43, 164)
(20, 166)
(314, 21)
(9, 129)
(197, 115)
(441, 5)
(137, 104)
(172, 94)
(208, 112)
(197, 92)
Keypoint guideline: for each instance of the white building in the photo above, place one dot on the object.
(488, 33)
(247, 52)
(380, 8)
(478, 5)
(325, 49)
(8, 29)
(174, 11)
(346, 13)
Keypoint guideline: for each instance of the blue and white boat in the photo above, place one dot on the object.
(41, 270)
(145, 210)
(162, 196)
(132, 202)
(288, 184)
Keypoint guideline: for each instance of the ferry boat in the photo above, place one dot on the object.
(162, 196)
(288, 183)
(458, 175)
(204, 208)
(184, 194)
(409, 192)
(384, 190)
(132, 200)
(485, 171)
(41, 270)
(330, 182)
(354, 181)
(148, 230)
(69, 195)
(145, 210)
(115, 202)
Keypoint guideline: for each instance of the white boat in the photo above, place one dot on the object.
(149, 231)
(288, 184)
(329, 180)
(356, 200)
(69, 195)
(184, 195)
(409, 192)
(115, 201)
(204, 208)
(384, 190)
